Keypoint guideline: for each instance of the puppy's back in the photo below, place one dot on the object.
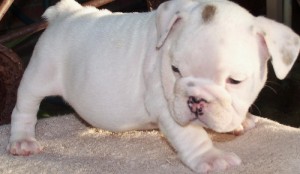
(66, 8)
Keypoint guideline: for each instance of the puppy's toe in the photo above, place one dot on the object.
(216, 160)
(24, 147)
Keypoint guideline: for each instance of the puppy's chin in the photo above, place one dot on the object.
(218, 124)
(216, 118)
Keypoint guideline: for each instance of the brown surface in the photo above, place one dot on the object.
(72, 147)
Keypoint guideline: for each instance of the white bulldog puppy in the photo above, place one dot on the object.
(190, 65)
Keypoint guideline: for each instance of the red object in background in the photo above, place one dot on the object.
(11, 71)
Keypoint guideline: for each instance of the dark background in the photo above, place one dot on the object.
(279, 100)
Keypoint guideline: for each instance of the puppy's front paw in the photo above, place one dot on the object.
(214, 160)
(24, 147)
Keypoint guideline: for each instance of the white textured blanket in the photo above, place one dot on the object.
(72, 147)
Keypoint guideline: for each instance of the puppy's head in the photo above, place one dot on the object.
(214, 59)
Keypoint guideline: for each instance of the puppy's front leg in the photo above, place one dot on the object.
(195, 147)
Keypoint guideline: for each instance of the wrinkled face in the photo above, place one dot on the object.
(213, 72)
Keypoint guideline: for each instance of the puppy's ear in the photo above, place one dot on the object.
(282, 43)
(168, 13)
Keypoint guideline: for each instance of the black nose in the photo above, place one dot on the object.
(197, 100)
(196, 105)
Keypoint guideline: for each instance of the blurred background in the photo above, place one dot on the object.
(279, 100)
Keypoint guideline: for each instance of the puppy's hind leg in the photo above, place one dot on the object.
(39, 80)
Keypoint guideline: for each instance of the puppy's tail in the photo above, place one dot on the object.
(62, 8)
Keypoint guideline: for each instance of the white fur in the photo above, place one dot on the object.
(115, 70)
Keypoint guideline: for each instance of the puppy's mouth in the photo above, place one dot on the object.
(196, 106)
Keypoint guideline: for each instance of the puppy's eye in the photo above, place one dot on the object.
(175, 69)
(233, 81)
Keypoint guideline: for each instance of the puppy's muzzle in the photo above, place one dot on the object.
(197, 105)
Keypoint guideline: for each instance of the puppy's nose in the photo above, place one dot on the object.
(196, 105)
(197, 100)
